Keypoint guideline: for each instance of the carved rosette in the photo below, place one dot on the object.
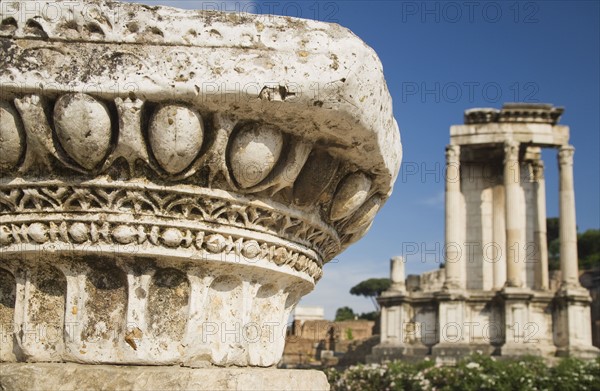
(157, 226)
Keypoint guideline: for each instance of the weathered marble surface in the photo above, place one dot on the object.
(172, 182)
(253, 67)
(74, 377)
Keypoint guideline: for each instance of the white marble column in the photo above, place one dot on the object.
(541, 246)
(453, 246)
(499, 237)
(567, 225)
(514, 228)
(397, 274)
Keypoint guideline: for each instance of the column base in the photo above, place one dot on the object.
(69, 376)
(573, 323)
(523, 349)
(513, 293)
(582, 352)
(460, 350)
(574, 293)
(390, 352)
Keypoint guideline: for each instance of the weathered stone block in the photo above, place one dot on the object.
(172, 183)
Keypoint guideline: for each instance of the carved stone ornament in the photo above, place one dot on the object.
(453, 154)
(172, 182)
(511, 151)
(540, 113)
(565, 155)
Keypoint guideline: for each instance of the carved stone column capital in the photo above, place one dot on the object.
(511, 151)
(538, 170)
(565, 155)
(172, 182)
(452, 154)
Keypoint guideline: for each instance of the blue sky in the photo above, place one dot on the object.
(439, 59)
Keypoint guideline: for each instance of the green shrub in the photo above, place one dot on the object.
(349, 335)
(476, 372)
(577, 374)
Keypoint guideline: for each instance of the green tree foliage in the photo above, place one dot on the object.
(554, 255)
(344, 313)
(588, 246)
(553, 243)
(347, 313)
(371, 288)
(373, 315)
(552, 228)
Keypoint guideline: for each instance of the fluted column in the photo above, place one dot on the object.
(453, 247)
(514, 228)
(541, 246)
(567, 224)
(499, 237)
(451, 300)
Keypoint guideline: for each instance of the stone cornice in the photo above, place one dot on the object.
(285, 67)
(532, 124)
(515, 113)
